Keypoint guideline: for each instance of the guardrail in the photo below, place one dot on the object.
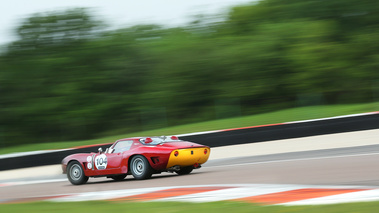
(218, 138)
(288, 130)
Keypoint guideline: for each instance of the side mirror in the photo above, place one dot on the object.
(100, 150)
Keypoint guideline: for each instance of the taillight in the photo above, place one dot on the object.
(176, 153)
(205, 151)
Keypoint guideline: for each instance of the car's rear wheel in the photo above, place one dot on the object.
(140, 167)
(185, 170)
(118, 177)
(75, 173)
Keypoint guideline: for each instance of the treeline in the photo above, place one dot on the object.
(67, 78)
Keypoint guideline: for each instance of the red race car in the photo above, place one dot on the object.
(140, 157)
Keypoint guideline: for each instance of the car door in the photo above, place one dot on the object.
(110, 162)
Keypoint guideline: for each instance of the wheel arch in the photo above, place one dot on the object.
(141, 167)
(82, 178)
(131, 157)
(77, 161)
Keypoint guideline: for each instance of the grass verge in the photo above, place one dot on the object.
(165, 207)
(295, 114)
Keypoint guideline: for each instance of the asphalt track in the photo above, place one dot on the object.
(353, 164)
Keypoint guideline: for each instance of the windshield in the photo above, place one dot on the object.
(158, 140)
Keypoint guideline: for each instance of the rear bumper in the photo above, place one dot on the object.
(188, 157)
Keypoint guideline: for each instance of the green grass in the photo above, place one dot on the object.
(287, 115)
(171, 207)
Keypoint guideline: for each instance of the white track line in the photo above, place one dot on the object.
(296, 159)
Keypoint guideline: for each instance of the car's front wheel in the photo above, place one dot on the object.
(140, 167)
(75, 173)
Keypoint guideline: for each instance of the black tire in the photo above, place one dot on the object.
(75, 173)
(185, 170)
(118, 177)
(140, 167)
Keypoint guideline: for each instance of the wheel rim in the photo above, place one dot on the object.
(138, 166)
(75, 172)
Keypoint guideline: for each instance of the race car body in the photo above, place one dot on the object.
(141, 157)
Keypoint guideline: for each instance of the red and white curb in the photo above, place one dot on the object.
(266, 194)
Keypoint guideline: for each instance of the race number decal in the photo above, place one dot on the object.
(101, 162)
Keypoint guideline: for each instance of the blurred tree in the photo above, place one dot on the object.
(350, 15)
(66, 79)
(57, 28)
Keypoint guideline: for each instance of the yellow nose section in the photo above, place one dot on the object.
(188, 157)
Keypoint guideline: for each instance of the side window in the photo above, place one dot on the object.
(122, 146)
